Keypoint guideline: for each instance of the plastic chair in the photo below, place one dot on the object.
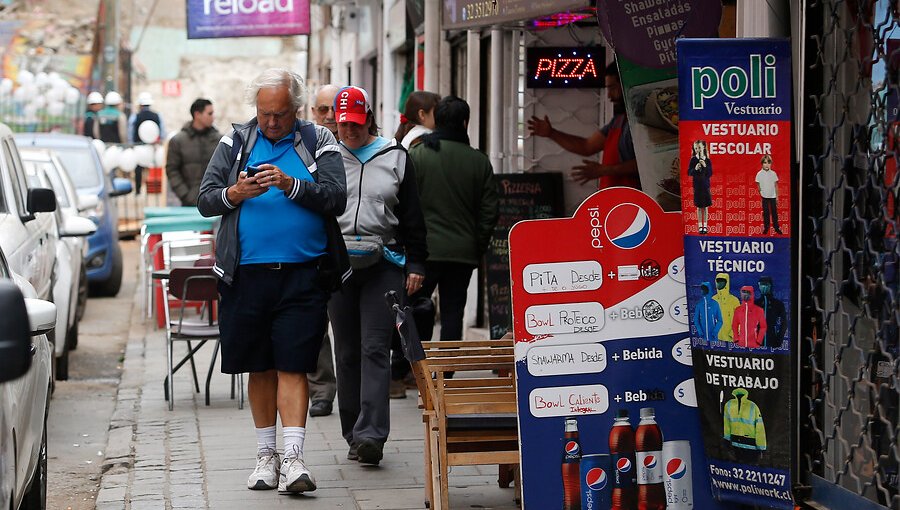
(193, 284)
(176, 249)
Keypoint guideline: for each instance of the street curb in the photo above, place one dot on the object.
(117, 467)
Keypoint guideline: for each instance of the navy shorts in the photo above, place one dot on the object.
(272, 318)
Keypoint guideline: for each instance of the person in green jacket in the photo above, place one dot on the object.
(459, 199)
(728, 302)
(743, 427)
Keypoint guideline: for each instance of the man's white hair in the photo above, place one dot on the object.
(278, 77)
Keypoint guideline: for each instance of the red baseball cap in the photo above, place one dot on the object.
(351, 104)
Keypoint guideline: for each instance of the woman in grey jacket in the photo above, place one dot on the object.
(384, 229)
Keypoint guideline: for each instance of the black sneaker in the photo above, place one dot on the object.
(352, 455)
(370, 451)
(320, 408)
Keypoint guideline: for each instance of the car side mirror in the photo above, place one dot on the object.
(41, 200)
(121, 186)
(15, 337)
(87, 202)
(76, 226)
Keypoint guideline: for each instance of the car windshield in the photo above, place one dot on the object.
(81, 165)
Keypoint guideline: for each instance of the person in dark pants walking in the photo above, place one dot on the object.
(385, 235)
(459, 200)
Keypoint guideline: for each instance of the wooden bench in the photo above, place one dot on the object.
(468, 399)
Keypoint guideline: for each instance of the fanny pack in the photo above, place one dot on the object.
(364, 251)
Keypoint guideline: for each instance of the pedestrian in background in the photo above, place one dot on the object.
(322, 382)
(459, 199)
(270, 251)
(91, 127)
(113, 123)
(417, 118)
(145, 114)
(189, 152)
(385, 235)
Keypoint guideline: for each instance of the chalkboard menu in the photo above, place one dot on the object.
(521, 197)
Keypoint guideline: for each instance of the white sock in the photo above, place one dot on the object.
(265, 439)
(293, 441)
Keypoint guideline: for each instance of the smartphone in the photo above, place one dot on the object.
(252, 170)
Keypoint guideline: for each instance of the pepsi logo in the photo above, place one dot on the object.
(627, 226)
(650, 461)
(623, 465)
(596, 479)
(572, 448)
(676, 468)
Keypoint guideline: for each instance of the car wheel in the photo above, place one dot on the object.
(62, 366)
(72, 337)
(82, 299)
(112, 285)
(36, 497)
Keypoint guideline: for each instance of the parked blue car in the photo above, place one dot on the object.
(83, 163)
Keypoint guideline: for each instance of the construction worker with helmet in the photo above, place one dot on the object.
(91, 127)
(113, 123)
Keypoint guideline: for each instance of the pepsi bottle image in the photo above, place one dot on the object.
(648, 442)
(621, 449)
(571, 467)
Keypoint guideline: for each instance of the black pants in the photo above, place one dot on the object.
(770, 214)
(452, 282)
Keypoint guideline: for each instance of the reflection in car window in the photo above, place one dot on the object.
(81, 166)
(34, 167)
(15, 172)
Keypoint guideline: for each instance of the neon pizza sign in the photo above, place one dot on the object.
(577, 67)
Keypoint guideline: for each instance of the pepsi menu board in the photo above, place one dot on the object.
(735, 154)
(603, 361)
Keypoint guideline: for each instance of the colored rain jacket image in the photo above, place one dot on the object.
(744, 426)
(707, 316)
(776, 319)
(749, 322)
(727, 304)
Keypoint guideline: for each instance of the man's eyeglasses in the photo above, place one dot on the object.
(323, 109)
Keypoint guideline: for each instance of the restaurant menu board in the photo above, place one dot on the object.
(606, 400)
(520, 197)
(735, 152)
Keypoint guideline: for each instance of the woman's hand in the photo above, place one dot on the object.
(414, 283)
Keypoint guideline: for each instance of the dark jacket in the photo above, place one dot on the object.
(459, 199)
(776, 320)
(327, 195)
(188, 155)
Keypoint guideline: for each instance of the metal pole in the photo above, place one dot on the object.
(473, 84)
(495, 127)
(432, 44)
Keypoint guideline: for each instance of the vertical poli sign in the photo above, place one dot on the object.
(244, 18)
(735, 154)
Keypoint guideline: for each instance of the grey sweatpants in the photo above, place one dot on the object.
(362, 325)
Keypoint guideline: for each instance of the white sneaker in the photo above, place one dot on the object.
(294, 476)
(265, 476)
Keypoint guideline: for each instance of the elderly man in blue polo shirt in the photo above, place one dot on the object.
(276, 191)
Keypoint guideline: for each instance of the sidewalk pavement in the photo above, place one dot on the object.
(199, 457)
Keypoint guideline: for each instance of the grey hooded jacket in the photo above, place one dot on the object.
(326, 196)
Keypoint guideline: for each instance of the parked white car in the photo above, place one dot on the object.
(43, 170)
(27, 234)
(25, 380)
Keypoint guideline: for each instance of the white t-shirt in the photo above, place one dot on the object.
(767, 180)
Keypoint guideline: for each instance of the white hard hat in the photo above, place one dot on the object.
(145, 99)
(113, 98)
(95, 98)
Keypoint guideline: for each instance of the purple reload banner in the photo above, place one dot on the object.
(243, 18)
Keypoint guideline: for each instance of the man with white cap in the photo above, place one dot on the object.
(145, 114)
(112, 121)
(94, 104)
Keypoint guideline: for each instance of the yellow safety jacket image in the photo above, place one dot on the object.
(744, 426)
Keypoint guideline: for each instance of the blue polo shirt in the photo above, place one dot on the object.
(271, 227)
